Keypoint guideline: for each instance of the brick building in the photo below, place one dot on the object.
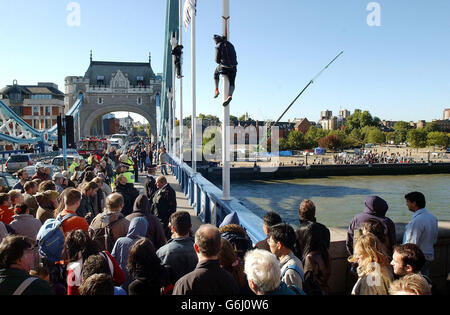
(39, 105)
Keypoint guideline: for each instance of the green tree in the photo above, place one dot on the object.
(417, 138)
(376, 136)
(313, 135)
(431, 127)
(296, 140)
(437, 138)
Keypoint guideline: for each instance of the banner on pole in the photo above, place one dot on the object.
(189, 10)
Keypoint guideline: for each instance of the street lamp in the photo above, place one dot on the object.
(169, 129)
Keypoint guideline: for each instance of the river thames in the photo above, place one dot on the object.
(338, 199)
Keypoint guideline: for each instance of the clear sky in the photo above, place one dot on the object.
(399, 70)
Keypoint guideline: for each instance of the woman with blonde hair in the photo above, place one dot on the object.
(374, 269)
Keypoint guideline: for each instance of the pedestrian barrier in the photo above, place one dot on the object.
(205, 197)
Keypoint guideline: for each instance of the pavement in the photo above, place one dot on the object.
(182, 200)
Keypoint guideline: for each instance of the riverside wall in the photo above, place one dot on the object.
(214, 174)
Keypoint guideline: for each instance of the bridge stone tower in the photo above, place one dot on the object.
(111, 87)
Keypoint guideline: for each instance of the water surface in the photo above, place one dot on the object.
(339, 198)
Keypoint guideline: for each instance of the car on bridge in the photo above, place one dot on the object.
(31, 170)
(17, 162)
(59, 160)
(7, 180)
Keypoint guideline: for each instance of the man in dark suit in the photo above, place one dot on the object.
(164, 203)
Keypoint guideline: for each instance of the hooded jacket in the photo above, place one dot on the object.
(375, 208)
(238, 237)
(137, 229)
(155, 231)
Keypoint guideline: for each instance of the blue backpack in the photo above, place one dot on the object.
(50, 238)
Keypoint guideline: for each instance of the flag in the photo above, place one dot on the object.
(190, 8)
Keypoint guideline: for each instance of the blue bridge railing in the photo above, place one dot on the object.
(205, 197)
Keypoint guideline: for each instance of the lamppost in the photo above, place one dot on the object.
(169, 122)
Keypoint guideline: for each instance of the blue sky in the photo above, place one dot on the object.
(399, 70)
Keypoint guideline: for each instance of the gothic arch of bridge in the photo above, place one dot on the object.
(88, 119)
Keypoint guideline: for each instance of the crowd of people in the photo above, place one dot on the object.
(90, 231)
(370, 157)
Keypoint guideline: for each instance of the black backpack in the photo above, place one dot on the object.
(228, 54)
(103, 236)
(311, 286)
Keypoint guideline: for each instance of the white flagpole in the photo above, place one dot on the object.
(226, 113)
(193, 84)
(173, 133)
(180, 42)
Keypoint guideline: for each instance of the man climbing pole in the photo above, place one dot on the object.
(177, 52)
(227, 60)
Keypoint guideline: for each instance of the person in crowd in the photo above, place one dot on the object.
(40, 172)
(128, 192)
(179, 252)
(17, 258)
(377, 228)
(78, 247)
(308, 223)
(53, 273)
(155, 232)
(46, 185)
(24, 223)
(208, 278)
(422, 230)
(6, 212)
(231, 230)
(315, 255)
(16, 198)
(121, 251)
(58, 179)
(374, 271)
(229, 260)
(150, 187)
(75, 163)
(270, 218)
(97, 284)
(408, 259)
(68, 183)
(111, 218)
(3, 231)
(71, 202)
(29, 198)
(98, 264)
(164, 203)
(162, 158)
(263, 273)
(86, 209)
(410, 284)
(98, 201)
(48, 202)
(104, 187)
(281, 241)
(150, 277)
(22, 175)
(375, 208)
